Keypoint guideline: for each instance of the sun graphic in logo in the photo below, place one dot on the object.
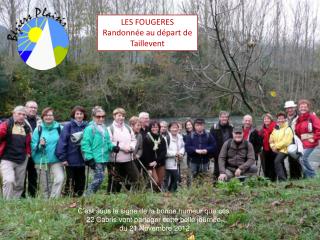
(43, 43)
(34, 34)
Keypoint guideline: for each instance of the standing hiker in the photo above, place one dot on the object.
(308, 130)
(199, 144)
(136, 127)
(126, 171)
(154, 153)
(69, 153)
(15, 137)
(96, 147)
(267, 155)
(175, 152)
(222, 132)
(251, 134)
(295, 167)
(280, 138)
(144, 120)
(164, 128)
(33, 120)
(44, 141)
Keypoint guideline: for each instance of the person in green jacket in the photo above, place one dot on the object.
(96, 147)
(44, 141)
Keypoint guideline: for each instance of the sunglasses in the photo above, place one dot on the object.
(103, 116)
(238, 133)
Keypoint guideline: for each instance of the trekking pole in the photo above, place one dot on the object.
(113, 169)
(46, 170)
(149, 175)
(39, 173)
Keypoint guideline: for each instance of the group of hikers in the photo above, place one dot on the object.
(37, 152)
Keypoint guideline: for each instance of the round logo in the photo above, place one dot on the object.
(43, 43)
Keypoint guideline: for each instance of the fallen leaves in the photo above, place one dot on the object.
(73, 205)
(275, 203)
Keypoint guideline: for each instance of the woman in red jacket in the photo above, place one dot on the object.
(308, 130)
(267, 155)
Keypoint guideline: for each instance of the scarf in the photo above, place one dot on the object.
(101, 129)
(155, 142)
(265, 133)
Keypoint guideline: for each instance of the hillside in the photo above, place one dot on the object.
(256, 210)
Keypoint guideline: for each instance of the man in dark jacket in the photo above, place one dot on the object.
(199, 144)
(31, 173)
(236, 157)
(144, 120)
(15, 138)
(222, 132)
(251, 134)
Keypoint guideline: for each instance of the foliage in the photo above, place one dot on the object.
(248, 213)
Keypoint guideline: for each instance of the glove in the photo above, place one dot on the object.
(90, 163)
(153, 164)
(116, 149)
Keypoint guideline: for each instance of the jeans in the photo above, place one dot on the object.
(197, 168)
(308, 171)
(97, 178)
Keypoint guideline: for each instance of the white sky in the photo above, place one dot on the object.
(289, 5)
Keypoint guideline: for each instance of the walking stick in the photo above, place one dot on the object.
(149, 175)
(113, 169)
(46, 170)
(47, 179)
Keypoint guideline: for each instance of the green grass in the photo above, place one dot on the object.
(256, 209)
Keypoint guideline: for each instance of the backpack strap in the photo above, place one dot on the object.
(59, 129)
(125, 125)
(167, 139)
(229, 144)
(246, 145)
(293, 142)
(40, 132)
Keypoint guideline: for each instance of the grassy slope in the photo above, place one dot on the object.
(261, 210)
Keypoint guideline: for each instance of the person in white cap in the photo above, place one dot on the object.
(295, 167)
(292, 114)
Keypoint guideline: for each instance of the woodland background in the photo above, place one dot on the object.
(252, 56)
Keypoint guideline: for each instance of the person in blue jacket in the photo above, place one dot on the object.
(43, 144)
(69, 152)
(199, 145)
